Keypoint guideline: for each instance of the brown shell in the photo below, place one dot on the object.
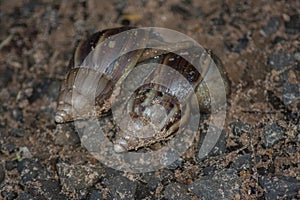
(80, 99)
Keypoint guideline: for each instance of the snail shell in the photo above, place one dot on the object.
(79, 99)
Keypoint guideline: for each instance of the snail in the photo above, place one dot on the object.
(101, 68)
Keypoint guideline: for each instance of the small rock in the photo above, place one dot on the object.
(280, 187)
(293, 25)
(17, 132)
(31, 170)
(2, 173)
(143, 192)
(223, 185)
(75, 178)
(10, 147)
(152, 180)
(272, 134)
(280, 60)
(95, 195)
(120, 187)
(291, 92)
(242, 162)
(50, 189)
(11, 164)
(26, 196)
(271, 27)
(38, 180)
(175, 191)
(166, 176)
(238, 128)
(24, 153)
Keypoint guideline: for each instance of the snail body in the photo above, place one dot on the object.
(88, 89)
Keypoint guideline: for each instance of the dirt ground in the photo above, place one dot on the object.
(259, 155)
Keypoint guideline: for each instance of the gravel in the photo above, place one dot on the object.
(291, 93)
(238, 128)
(223, 185)
(76, 178)
(280, 187)
(272, 134)
(175, 191)
(38, 180)
(271, 27)
(120, 187)
(280, 60)
(242, 162)
(18, 132)
(95, 195)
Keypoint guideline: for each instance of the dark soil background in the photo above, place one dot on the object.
(258, 155)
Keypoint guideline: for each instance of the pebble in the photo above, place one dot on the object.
(25, 196)
(17, 132)
(280, 187)
(238, 128)
(271, 27)
(291, 93)
(166, 176)
(120, 187)
(272, 134)
(293, 25)
(242, 162)
(31, 169)
(279, 60)
(11, 164)
(152, 180)
(175, 191)
(224, 184)
(10, 147)
(75, 178)
(95, 195)
(143, 192)
(38, 181)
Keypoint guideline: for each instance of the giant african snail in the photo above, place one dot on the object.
(98, 68)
